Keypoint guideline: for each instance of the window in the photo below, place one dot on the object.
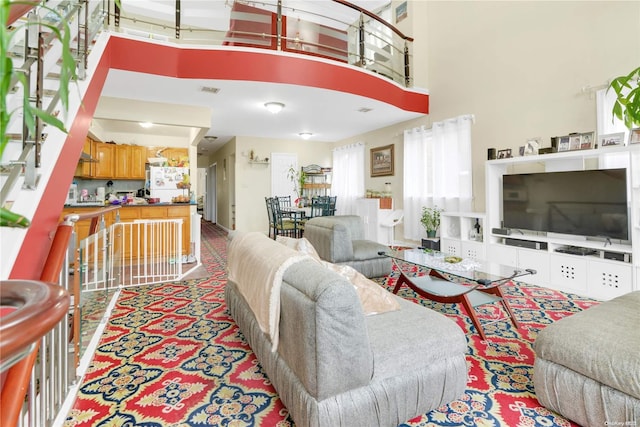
(348, 177)
(437, 171)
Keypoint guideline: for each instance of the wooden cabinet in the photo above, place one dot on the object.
(85, 166)
(134, 241)
(112, 161)
(129, 162)
(138, 156)
(104, 154)
(175, 156)
(82, 227)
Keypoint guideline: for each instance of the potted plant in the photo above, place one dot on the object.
(431, 220)
(298, 178)
(627, 104)
(10, 76)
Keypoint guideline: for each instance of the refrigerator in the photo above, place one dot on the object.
(165, 183)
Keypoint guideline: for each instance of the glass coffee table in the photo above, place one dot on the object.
(456, 280)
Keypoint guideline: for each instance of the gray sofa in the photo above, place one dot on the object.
(340, 240)
(335, 367)
(587, 365)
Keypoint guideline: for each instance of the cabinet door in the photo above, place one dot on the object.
(122, 162)
(178, 157)
(104, 154)
(138, 157)
(182, 212)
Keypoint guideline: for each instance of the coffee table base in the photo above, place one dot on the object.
(437, 288)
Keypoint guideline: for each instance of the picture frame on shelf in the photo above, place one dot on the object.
(574, 142)
(504, 154)
(382, 161)
(564, 144)
(587, 140)
(611, 140)
(532, 146)
(634, 136)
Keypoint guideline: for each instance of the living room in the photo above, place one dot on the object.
(524, 70)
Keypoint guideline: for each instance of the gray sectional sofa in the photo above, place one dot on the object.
(335, 366)
(340, 240)
(587, 365)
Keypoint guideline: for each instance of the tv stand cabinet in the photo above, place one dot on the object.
(611, 270)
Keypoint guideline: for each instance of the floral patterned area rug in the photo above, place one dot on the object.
(172, 356)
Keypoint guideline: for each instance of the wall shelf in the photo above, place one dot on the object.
(259, 162)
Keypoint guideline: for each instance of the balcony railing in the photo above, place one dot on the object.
(336, 30)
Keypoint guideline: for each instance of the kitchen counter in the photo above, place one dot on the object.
(131, 213)
(96, 205)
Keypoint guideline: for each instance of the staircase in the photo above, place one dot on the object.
(31, 157)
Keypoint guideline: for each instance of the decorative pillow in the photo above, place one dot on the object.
(301, 245)
(374, 299)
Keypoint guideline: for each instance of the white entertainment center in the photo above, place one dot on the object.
(611, 268)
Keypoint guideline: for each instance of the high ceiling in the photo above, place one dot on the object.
(237, 109)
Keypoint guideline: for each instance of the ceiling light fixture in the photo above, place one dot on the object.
(305, 135)
(146, 125)
(274, 107)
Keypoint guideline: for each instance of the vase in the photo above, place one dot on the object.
(431, 234)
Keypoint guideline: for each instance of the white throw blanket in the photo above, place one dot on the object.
(257, 265)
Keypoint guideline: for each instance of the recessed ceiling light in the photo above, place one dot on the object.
(274, 107)
(146, 125)
(305, 135)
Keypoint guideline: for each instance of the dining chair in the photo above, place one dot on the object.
(283, 225)
(285, 203)
(270, 215)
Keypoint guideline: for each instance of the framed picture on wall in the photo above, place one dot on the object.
(382, 161)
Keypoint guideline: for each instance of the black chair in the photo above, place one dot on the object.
(272, 223)
(331, 206)
(283, 225)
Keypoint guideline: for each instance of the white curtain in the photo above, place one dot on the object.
(347, 182)
(437, 171)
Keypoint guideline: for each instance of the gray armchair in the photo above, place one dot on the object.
(340, 240)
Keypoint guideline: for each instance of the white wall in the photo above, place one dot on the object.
(521, 67)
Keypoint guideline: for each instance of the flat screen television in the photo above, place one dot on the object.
(590, 203)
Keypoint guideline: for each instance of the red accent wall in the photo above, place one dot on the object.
(151, 58)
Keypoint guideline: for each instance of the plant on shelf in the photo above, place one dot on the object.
(9, 75)
(431, 220)
(627, 103)
(298, 178)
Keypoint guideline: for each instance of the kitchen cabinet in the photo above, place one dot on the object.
(132, 244)
(112, 161)
(82, 227)
(104, 154)
(137, 245)
(176, 156)
(85, 167)
(129, 162)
